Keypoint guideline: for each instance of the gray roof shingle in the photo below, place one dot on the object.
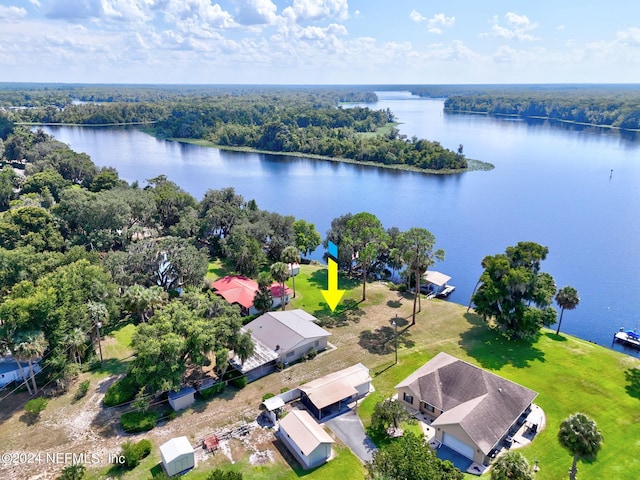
(484, 404)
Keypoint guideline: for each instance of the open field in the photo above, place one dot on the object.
(569, 374)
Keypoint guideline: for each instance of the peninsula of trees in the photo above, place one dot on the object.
(297, 120)
(608, 106)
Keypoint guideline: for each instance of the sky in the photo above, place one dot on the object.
(320, 41)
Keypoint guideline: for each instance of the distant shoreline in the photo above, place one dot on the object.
(537, 117)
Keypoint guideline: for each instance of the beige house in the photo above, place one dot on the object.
(473, 410)
(305, 439)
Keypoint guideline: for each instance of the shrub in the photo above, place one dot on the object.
(284, 390)
(35, 406)
(83, 388)
(214, 389)
(134, 452)
(133, 422)
(73, 472)
(312, 353)
(239, 382)
(218, 474)
(267, 396)
(402, 287)
(122, 391)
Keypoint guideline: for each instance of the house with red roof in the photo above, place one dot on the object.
(241, 290)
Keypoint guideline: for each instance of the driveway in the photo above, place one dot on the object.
(348, 428)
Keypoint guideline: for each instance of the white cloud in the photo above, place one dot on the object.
(417, 16)
(439, 20)
(516, 27)
(314, 10)
(197, 14)
(256, 12)
(11, 12)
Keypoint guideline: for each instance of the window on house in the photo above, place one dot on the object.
(291, 353)
(317, 343)
(407, 398)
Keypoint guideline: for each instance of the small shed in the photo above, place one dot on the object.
(305, 439)
(177, 455)
(182, 398)
(273, 407)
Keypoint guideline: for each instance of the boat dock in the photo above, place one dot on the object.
(628, 337)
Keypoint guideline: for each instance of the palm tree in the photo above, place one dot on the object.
(31, 345)
(567, 299)
(580, 435)
(263, 300)
(142, 301)
(511, 466)
(7, 341)
(291, 255)
(279, 272)
(417, 247)
(76, 342)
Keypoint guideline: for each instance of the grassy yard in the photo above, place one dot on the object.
(570, 375)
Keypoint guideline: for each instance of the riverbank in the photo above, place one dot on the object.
(473, 165)
(537, 117)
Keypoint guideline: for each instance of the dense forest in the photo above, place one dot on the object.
(82, 250)
(307, 120)
(611, 106)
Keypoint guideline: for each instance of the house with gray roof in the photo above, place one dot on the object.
(284, 337)
(473, 410)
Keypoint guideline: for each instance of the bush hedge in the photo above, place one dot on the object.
(122, 391)
(83, 388)
(133, 422)
(213, 390)
(134, 452)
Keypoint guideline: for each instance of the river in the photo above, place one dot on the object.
(575, 190)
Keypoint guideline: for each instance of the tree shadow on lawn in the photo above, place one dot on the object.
(554, 337)
(492, 350)
(346, 311)
(382, 340)
(632, 376)
(318, 279)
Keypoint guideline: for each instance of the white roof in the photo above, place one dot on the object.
(285, 329)
(175, 448)
(436, 278)
(272, 403)
(304, 431)
(337, 385)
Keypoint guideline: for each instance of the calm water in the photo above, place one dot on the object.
(551, 185)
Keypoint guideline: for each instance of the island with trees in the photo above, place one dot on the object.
(317, 122)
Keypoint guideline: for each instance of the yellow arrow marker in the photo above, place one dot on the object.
(333, 295)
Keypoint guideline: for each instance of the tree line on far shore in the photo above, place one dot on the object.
(309, 120)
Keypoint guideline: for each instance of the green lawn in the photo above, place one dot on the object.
(570, 376)
(345, 465)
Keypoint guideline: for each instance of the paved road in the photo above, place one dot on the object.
(348, 428)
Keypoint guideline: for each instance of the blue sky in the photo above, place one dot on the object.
(320, 41)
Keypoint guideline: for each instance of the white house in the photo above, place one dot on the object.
(305, 439)
(283, 336)
(177, 456)
(9, 370)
